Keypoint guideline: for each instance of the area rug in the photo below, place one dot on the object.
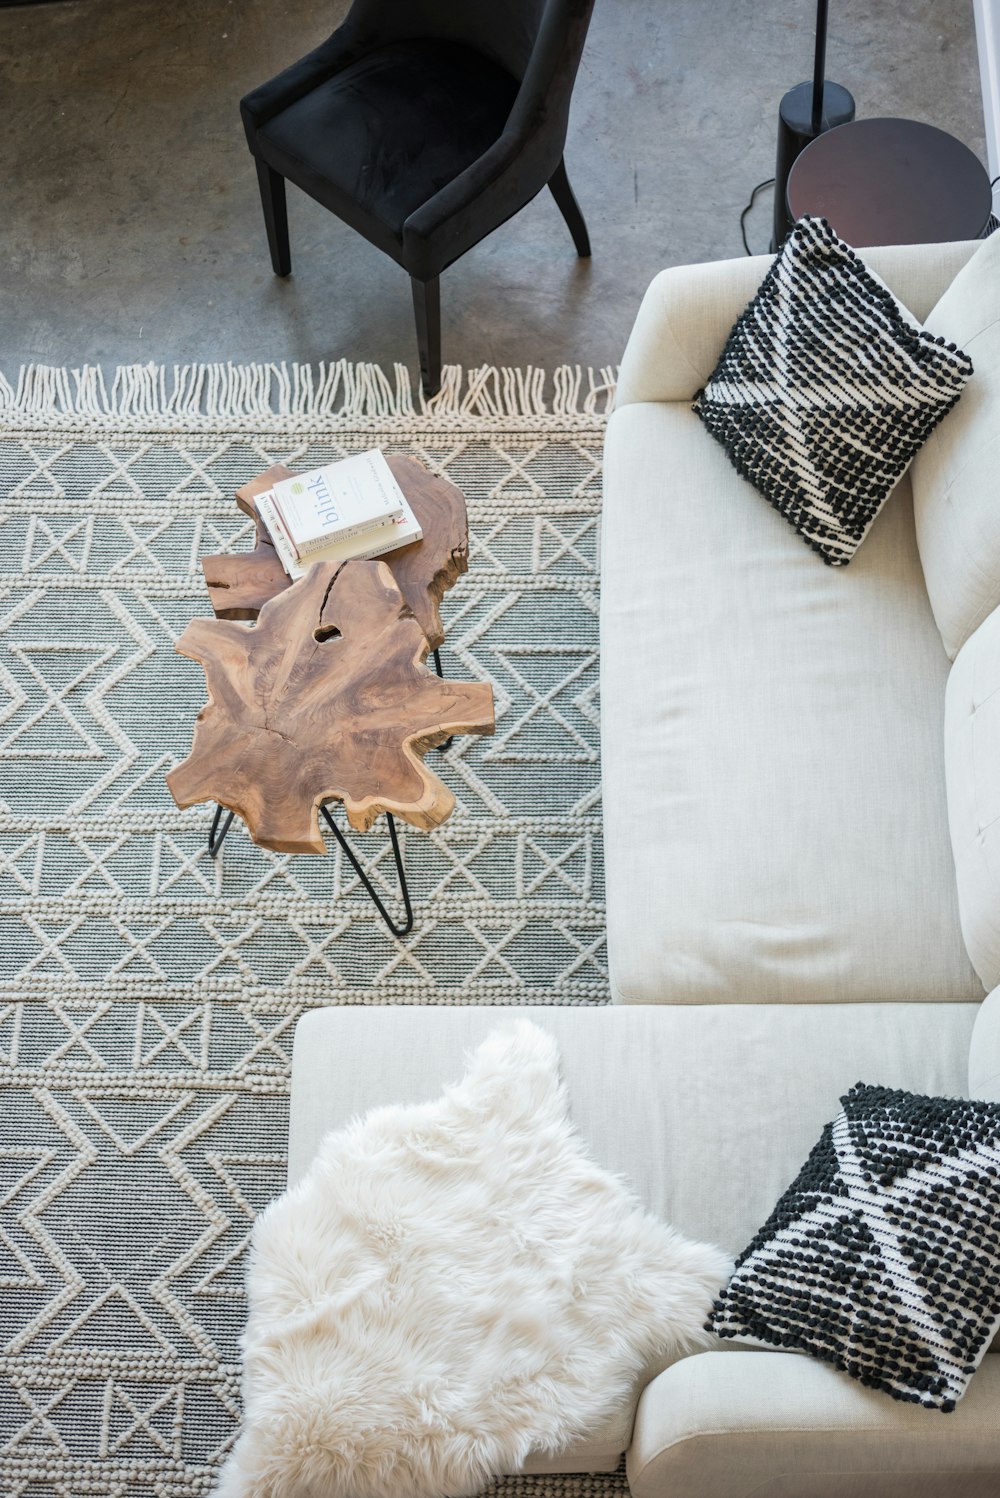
(148, 996)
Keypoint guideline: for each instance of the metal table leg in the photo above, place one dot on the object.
(437, 666)
(216, 839)
(215, 843)
(407, 925)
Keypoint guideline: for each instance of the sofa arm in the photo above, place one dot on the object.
(681, 328)
(984, 1051)
(686, 314)
(744, 1424)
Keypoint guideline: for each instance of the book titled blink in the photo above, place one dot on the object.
(402, 531)
(338, 502)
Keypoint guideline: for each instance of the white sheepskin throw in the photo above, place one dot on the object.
(451, 1287)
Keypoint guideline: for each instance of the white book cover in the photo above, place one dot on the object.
(338, 501)
(390, 537)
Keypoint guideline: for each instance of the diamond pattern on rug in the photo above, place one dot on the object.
(148, 995)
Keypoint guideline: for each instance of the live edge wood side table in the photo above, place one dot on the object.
(319, 690)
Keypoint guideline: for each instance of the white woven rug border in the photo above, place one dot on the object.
(293, 396)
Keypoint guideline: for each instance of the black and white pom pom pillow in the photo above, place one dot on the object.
(883, 1256)
(826, 390)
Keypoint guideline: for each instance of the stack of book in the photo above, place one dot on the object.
(353, 508)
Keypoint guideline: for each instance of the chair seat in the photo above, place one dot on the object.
(423, 144)
(378, 139)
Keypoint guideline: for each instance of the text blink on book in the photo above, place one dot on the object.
(346, 510)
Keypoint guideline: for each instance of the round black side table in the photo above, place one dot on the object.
(891, 182)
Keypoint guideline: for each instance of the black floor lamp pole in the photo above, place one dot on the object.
(819, 64)
(805, 112)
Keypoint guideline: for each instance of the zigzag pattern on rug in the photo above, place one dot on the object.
(148, 996)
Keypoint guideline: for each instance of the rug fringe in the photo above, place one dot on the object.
(300, 393)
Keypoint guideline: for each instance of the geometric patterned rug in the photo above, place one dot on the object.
(148, 995)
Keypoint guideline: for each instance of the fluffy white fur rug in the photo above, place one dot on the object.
(451, 1287)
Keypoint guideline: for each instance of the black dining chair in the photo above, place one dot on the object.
(424, 124)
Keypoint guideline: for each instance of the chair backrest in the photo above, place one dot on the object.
(508, 31)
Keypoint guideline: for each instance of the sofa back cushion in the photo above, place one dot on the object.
(956, 476)
(972, 777)
(984, 1062)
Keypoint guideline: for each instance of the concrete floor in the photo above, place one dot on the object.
(131, 228)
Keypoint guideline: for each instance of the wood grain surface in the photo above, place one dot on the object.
(240, 584)
(326, 697)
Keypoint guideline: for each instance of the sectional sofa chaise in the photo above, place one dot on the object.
(802, 836)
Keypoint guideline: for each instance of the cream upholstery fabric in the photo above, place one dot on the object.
(972, 773)
(778, 1425)
(688, 311)
(775, 825)
(708, 1111)
(954, 477)
(984, 1055)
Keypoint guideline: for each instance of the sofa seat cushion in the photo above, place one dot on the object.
(452, 1286)
(775, 823)
(734, 1425)
(707, 1112)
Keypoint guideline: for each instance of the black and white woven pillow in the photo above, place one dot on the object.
(826, 390)
(883, 1256)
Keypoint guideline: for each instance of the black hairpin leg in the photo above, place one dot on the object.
(437, 666)
(215, 843)
(407, 926)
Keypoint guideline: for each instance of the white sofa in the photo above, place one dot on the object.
(783, 913)
(709, 1111)
(772, 755)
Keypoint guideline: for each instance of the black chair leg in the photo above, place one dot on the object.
(272, 199)
(570, 210)
(427, 310)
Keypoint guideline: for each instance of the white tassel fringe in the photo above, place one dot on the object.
(297, 395)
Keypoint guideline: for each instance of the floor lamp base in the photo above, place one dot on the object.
(795, 131)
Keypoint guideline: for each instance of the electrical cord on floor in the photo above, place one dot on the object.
(743, 216)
